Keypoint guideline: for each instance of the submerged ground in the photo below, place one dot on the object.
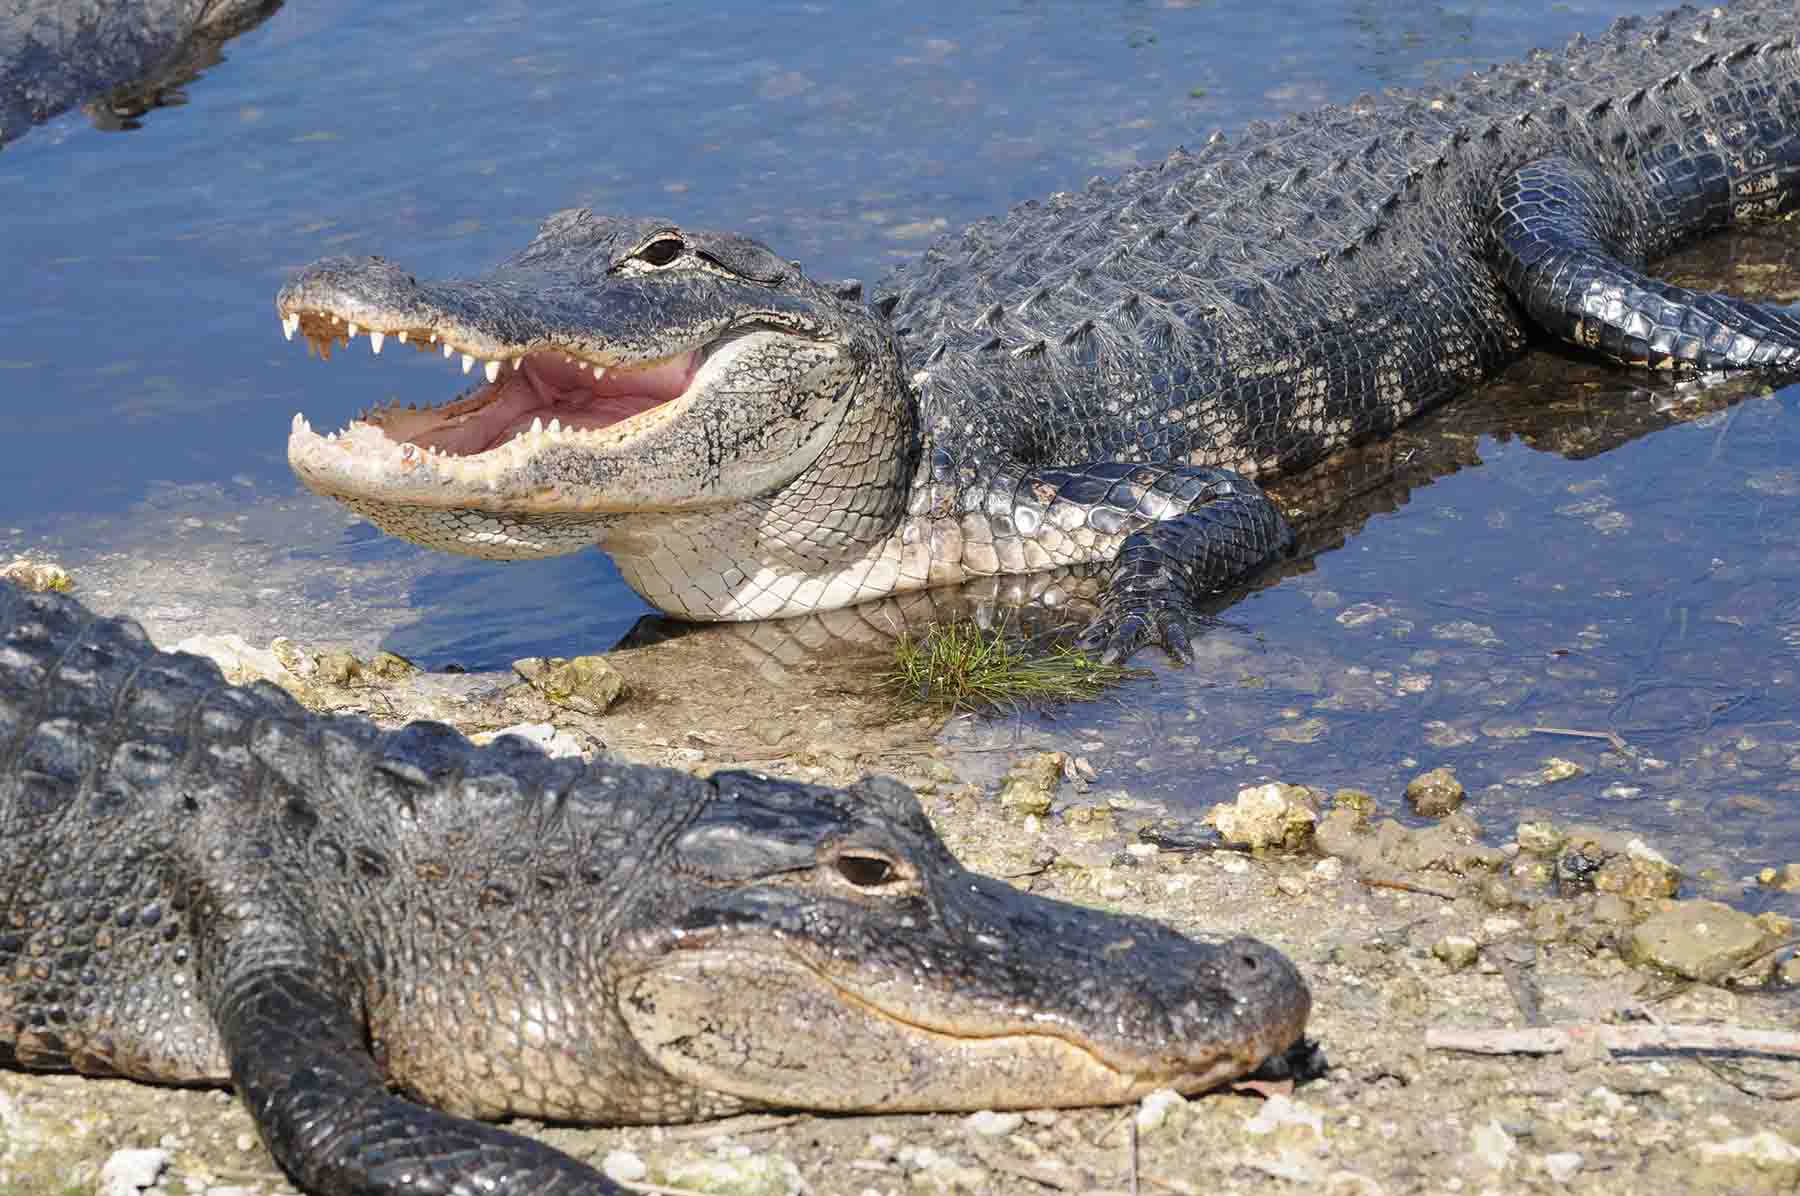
(1495, 604)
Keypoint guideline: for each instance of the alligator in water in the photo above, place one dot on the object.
(125, 57)
(207, 884)
(1091, 379)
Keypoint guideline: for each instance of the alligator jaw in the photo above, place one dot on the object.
(917, 1058)
(535, 397)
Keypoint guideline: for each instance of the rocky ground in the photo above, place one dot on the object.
(1402, 931)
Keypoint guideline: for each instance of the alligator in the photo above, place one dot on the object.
(124, 57)
(205, 884)
(1099, 378)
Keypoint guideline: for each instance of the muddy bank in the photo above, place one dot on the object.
(1401, 929)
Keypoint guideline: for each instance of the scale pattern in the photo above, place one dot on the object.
(1092, 379)
(378, 936)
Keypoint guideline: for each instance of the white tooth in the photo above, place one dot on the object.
(447, 349)
(335, 321)
(537, 425)
(290, 325)
(434, 338)
(599, 372)
(375, 340)
(299, 424)
(333, 436)
(401, 336)
(517, 361)
(555, 426)
(353, 331)
(491, 369)
(468, 363)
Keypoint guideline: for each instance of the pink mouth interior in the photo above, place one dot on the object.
(544, 387)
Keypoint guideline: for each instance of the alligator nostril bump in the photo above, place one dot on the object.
(1250, 962)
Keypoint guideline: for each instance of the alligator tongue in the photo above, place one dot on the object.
(544, 387)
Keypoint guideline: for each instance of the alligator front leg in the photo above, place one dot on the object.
(1176, 532)
(1568, 242)
(300, 1063)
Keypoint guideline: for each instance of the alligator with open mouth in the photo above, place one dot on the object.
(202, 884)
(1096, 379)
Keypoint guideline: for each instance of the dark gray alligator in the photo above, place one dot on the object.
(206, 884)
(1091, 379)
(127, 56)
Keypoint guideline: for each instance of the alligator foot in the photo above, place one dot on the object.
(1228, 529)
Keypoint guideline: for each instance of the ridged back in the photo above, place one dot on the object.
(1345, 241)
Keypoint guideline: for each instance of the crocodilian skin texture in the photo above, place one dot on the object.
(126, 56)
(1090, 380)
(205, 884)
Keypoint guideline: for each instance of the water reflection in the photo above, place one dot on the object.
(116, 60)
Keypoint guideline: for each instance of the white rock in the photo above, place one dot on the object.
(1562, 1166)
(990, 1124)
(1154, 1109)
(129, 1172)
(1493, 1145)
(623, 1167)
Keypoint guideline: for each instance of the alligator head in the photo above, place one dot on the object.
(631, 368)
(914, 984)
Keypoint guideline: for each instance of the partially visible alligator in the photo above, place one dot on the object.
(206, 884)
(127, 56)
(1093, 378)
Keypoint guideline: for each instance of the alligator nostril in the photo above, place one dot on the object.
(1250, 962)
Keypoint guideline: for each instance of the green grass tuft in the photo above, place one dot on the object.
(957, 667)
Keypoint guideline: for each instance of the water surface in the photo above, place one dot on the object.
(1647, 593)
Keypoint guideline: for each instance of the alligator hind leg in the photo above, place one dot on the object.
(300, 1064)
(1565, 236)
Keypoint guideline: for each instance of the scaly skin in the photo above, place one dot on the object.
(206, 884)
(1093, 379)
(55, 54)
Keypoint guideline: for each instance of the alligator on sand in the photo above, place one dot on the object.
(206, 884)
(1093, 379)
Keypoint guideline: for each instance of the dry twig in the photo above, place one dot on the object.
(1551, 1040)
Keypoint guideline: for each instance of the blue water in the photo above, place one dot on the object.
(141, 363)
(136, 331)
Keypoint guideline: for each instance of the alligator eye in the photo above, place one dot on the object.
(865, 871)
(661, 251)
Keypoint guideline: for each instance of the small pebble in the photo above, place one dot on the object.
(623, 1167)
(990, 1124)
(1154, 1109)
(1562, 1166)
(129, 1172)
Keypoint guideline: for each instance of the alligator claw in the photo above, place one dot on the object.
(1116, 638)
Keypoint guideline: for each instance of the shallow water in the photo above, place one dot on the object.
(1647, 592)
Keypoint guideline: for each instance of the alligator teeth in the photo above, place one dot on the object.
(555, 428)
(375, 339)
(491, 369)
(537, 425)
(434, 338)
(599, 372)
(335, 321)
(517, 362)
(447, 349)
(468, 363)
(290, 325)
(300, 424)
(401, 336)
(353, 330)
